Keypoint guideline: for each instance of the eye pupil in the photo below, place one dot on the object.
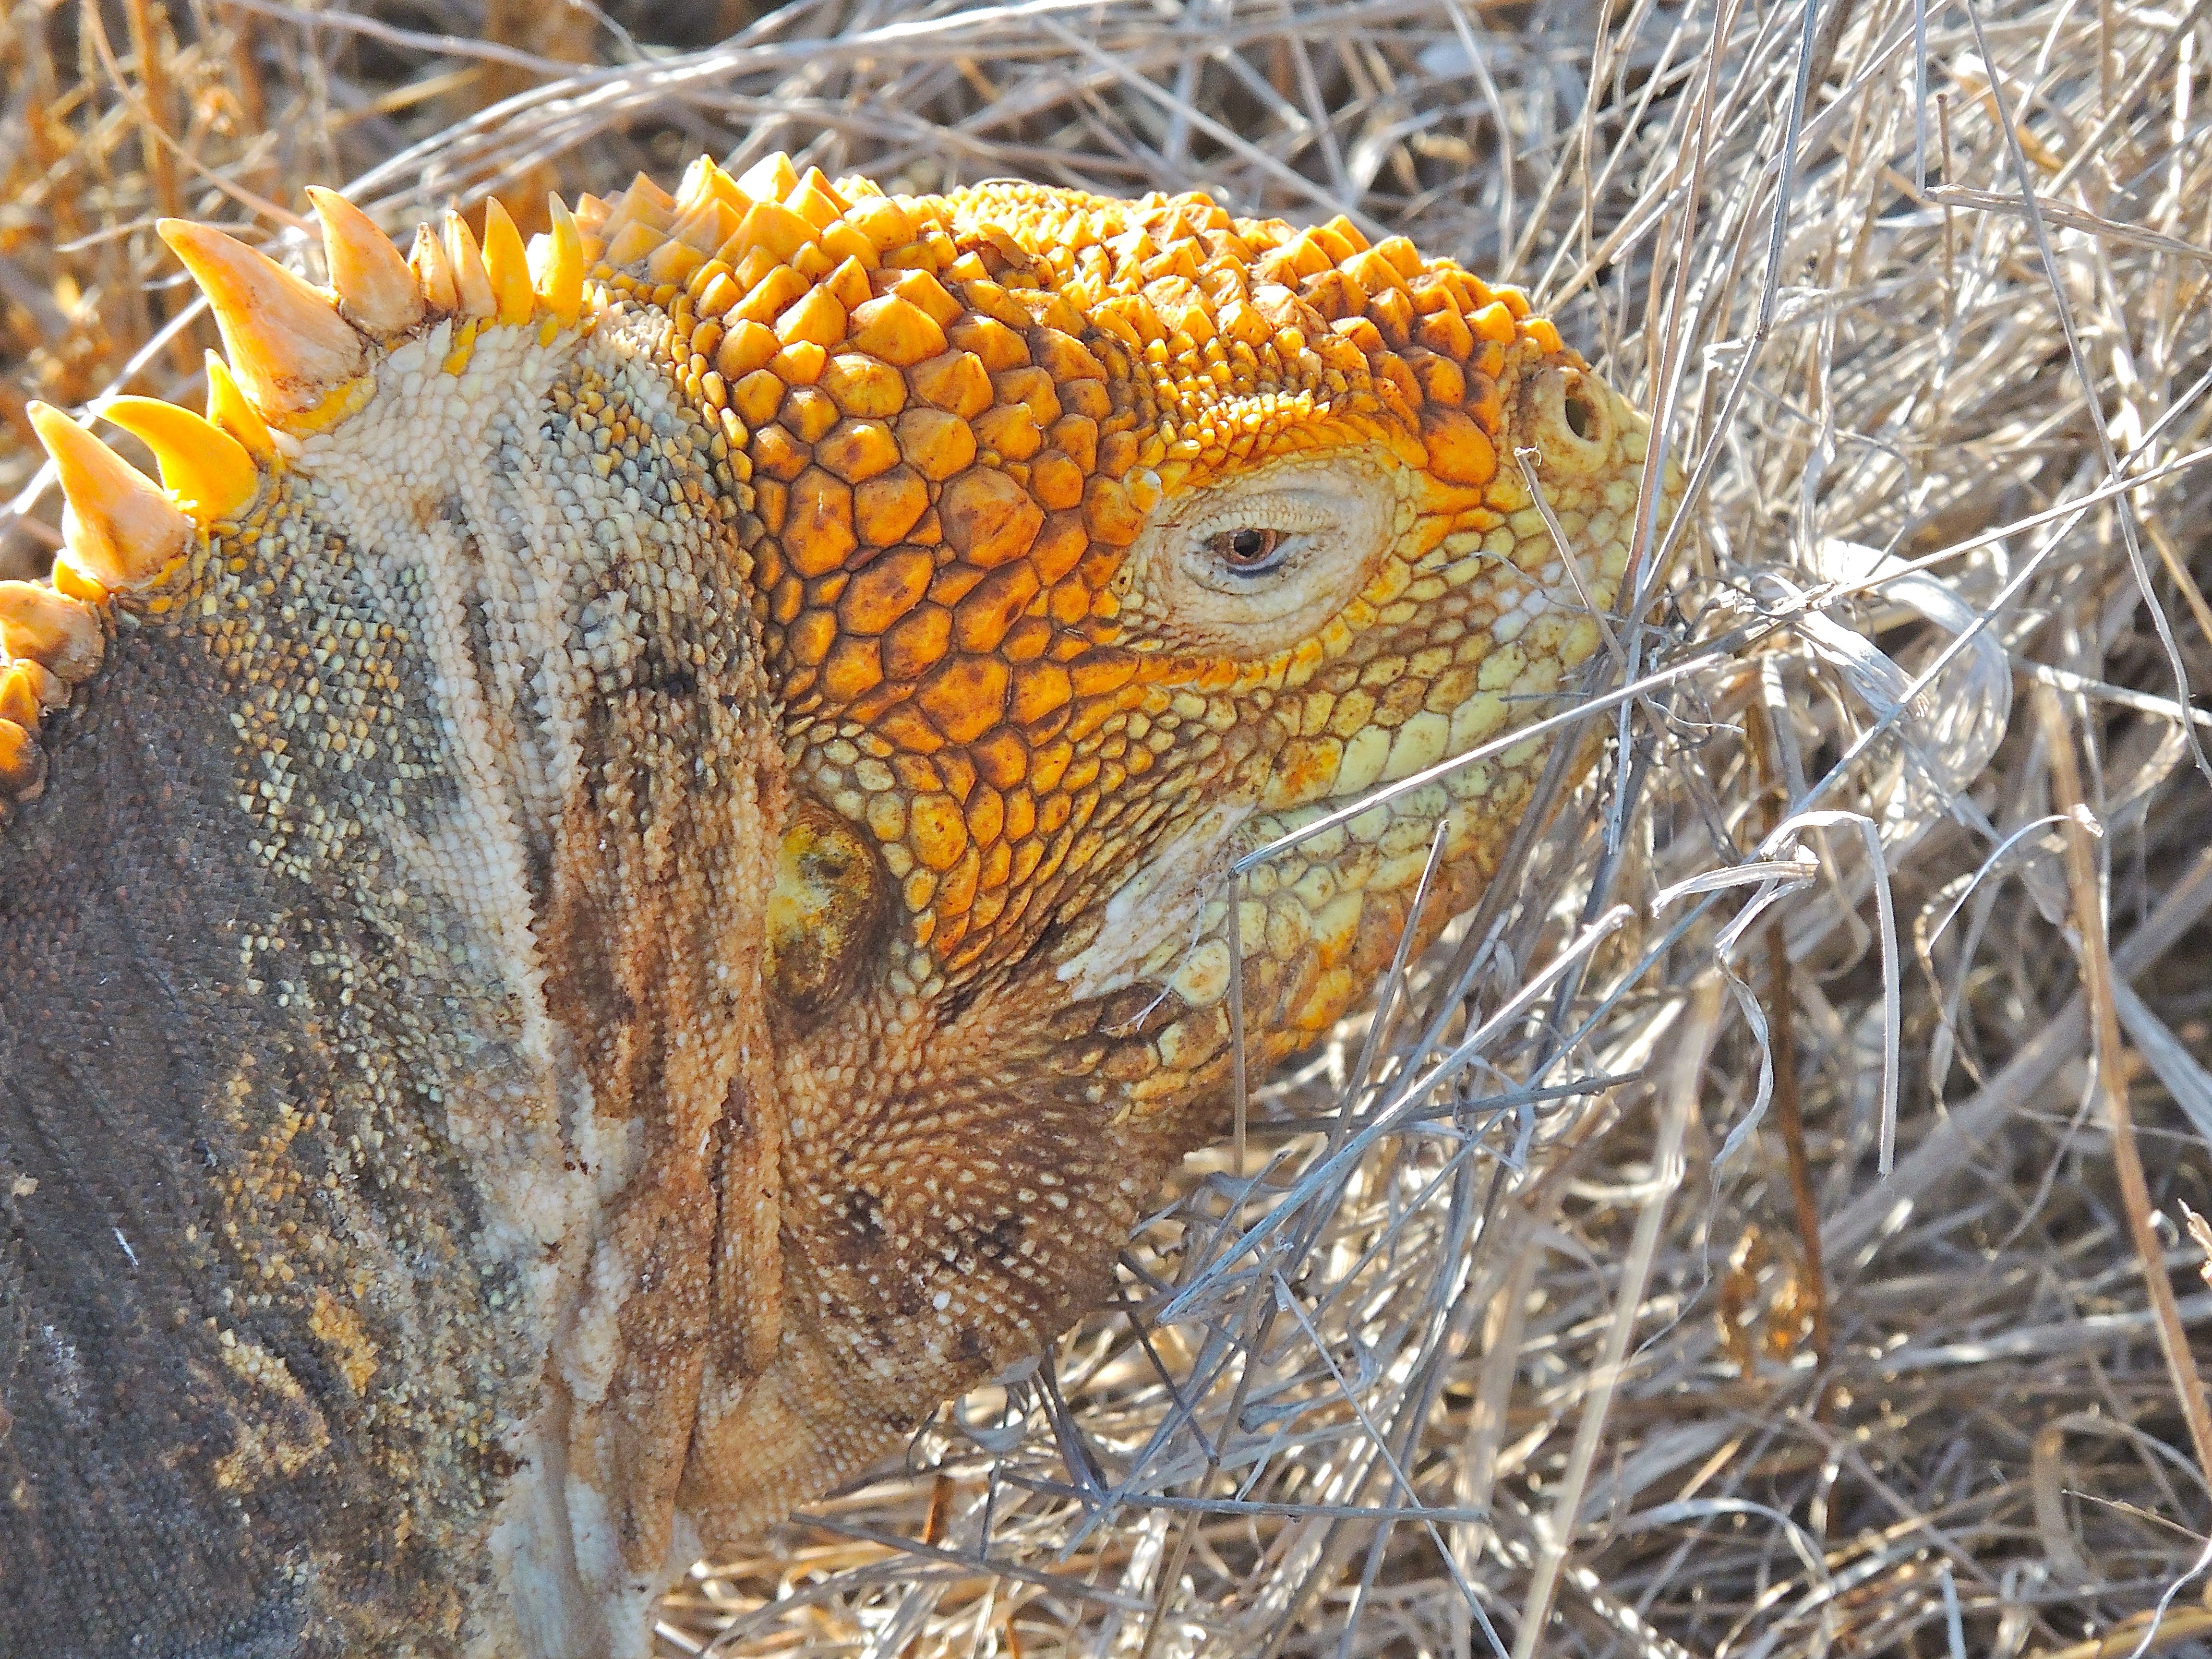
(1247, 548)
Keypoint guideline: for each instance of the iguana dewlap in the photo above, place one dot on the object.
(617, 889)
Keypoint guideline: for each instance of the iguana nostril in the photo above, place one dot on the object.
(1583, 416)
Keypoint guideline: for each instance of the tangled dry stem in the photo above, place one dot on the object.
(1573, 1299)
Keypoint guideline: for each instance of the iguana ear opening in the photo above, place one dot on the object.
(829, 913)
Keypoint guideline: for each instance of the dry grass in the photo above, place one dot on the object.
(1564, 1306)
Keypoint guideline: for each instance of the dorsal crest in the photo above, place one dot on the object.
(300, 359)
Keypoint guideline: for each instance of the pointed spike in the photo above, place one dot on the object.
(472, 282)
(643, 204)
(707, 226)
(434, 273)
(289, 347)
(232, 412)
(203, 467)
(643, 191)
(725, 189)
(818, 180)
(560, 272)
(375, 289)
(127, 533)
(60, 634)
(68, 573)
(771, 179)
(697, 184)
(22, 762)
(19, 694)
(507, 265)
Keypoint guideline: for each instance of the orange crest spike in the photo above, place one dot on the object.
(289, 347)
(471, 283)
(203, 467)
(232, 412)
(18, 694)
(374, 288)
(125, 531)
(434, 273)
(60, 634)
(22, 762)
(507, 266)
(771, 179)
(560, 270)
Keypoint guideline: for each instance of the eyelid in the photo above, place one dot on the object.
(1287, 511)
(1335, 513)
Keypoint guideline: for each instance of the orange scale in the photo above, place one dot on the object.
(809, 412)
(955, 381)
(955, 889)
(887, 589)
(1026, 640)
(981, 621)
(915, 773)
(987, 815)
(780, 454)
(953, 582)
(990, 905)
(809, 639)
(857, 450)
(959, 773)
(757, 396)
(916, 643)
(871, 707)
(988, 518)
(938, 831)
(799, 362)
(950, 930)
(936, 444)
(896, 331)
(890, 505)
(853, 667)
(1049, 766)
(817, 531)
(965, 698)
(864, 388)
(1009, 431)
(1069, 603)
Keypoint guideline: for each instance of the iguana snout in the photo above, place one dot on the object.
(675, 806)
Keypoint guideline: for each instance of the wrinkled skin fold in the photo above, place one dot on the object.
(615, 890)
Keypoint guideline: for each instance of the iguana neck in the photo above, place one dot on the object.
(409, 864)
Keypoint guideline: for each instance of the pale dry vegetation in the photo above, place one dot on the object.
(1572, 1301)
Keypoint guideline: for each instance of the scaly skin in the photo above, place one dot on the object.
(638, 902)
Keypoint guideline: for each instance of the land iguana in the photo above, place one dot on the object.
(615, 888)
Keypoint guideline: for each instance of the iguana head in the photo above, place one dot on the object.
(797, 665)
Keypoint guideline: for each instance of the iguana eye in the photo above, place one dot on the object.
(1251, 551)
(1257, 561)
